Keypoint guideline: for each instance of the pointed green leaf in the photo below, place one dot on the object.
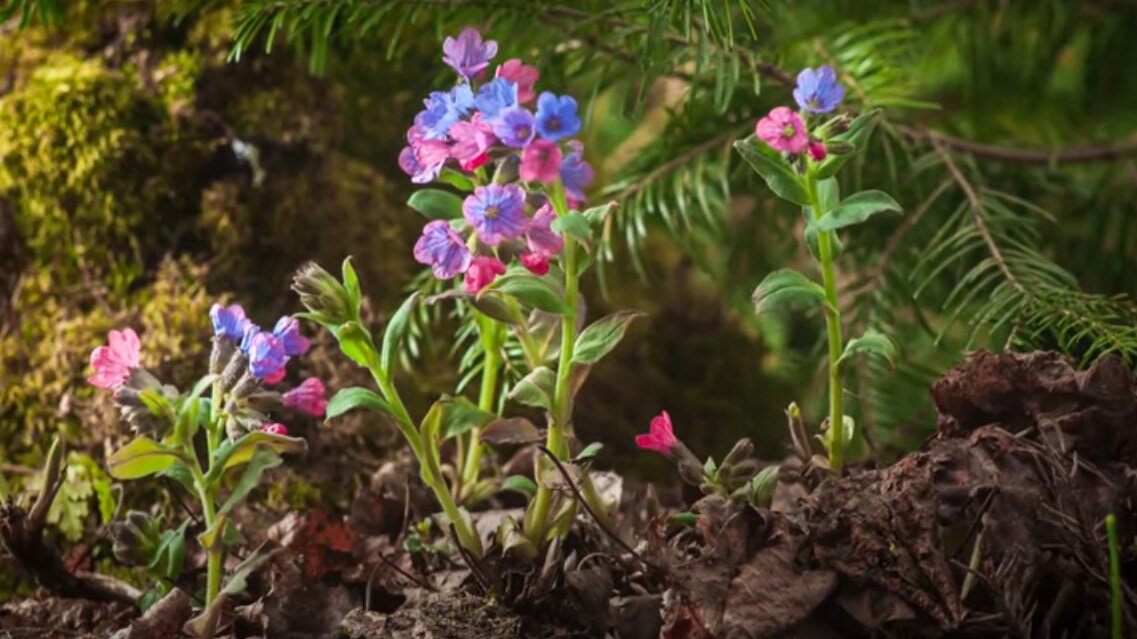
(856, 209)
(519, 484)
(263, 458)
(512, 430)
(531, 290)
(599, 338)
(142, 457)
(355, 342)
(860, 130)
(234, 453)
(573, 225)
(436, 204)
(460, 416)
(395, 331)
(536, 388)
(356, 397)
(785, 287)
(351, 282)
(872, 342)
(774, 170)
(499, 309)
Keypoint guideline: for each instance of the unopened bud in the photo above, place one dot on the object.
(741, 451)
(238, 365)
(508, 168)
(223, 349)
(690, 468)
(839, 147)
(321, 293)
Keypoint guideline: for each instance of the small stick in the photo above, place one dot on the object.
(468, 559)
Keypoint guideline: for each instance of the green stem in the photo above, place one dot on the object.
(559, 426)
(491, 365)
(215, 555)
(1114, 576)
(833, 331)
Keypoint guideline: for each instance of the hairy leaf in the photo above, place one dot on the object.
(773, 168)
(786, 287)
(599, 338)
(532, 290)
(856, 209)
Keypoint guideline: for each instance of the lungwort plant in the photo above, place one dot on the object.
(217, 435)
(507, 221)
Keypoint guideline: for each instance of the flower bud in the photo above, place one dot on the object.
(247, 385)
(508, 169)
(690, 468)
(839, 147)
(741, 452)
(223, 349)
(135, 538)
(237, 366)
(322, 294)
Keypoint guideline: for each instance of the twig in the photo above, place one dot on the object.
(468, 559)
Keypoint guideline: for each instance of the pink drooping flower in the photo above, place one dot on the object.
(541, 162)
(472, 139)
(423, 159)
(535, 263)
(817, 151)
(308, 397)
(660, 437)
(542, 240)
(783, 130)
(113, 362)
(275, 429)
(482, 272)
(523, 75)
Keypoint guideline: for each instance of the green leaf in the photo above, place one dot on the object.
(536, 388)
(263, 458)
(509, 431)
(762, 487)
(590, 451)
(774, 170)
(499, 309)
(600, 337)
(460, 416)
(519, 484)
(456, 180)
(856, 209)
(573, 225)
(436, 204)
(785, 287)
(395, 331)
(356, 397)
(873, 343)
(141, 458)
(595, 215)
(355, 342)
(156, 403)
(351, 283)
(860, 130)
(532, 290)
(232, 454)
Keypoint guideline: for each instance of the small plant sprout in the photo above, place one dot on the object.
(230, 406)
(798, 154)
(506, 223)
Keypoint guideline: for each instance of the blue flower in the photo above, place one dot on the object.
(442, 249)
(467, 54)
(576, 174)
(443, 110)
(266, 356)
(514, 127)
(493, 97)
(228, 321)
(497, 212)
(556, 117)
(287, 330)
(818, 91)
(251, 331)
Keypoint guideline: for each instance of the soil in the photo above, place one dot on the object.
(994, 528)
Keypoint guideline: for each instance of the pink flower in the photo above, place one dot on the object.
(482, 272)
(523, 75)
(471, 139)
(308, 397)
(783, 130)
(540, 237)
(541, 162)
(275, 429)
(536, 264)
(817, 151)
(660, 437)
(113, 363)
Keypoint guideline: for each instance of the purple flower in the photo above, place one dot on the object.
(266, 356)
(423, 159)
(514, 127)
(443, 110)
(308, 397)
(818, 91)
(251, 331)
(497, 212)
(496, 96)
(287, 330)
(467, 54)
(471, 140)
(442, 249)
(576, 174)
(556, 117)
(228, 321)
(541, 239)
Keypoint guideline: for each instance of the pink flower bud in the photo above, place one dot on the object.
(308, 397)
(275, 429)
(113, 362)
(660, 437)
(817, 151)
(482, 272)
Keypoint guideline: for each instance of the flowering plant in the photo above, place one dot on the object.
(231, 406)
(798, 155)
(508, 224)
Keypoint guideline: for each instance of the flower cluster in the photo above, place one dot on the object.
(817, 92)
(500, 122)
(245, 358)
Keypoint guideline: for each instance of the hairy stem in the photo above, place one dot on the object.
(833, 332)
(491, 365)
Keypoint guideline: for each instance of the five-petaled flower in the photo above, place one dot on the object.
(540, 237)
(472, 141)
(114, 361)
(576, 174)
(660, 436)
(541, 162)
(442, 249)
(308, 397)
(443, 110)
(818, 91)
(287, 330)
(496, 96)
(783, 130)
(523, 75)
(267, 357)
(556, 117)
(497, 212)
(482, 272)
(515, 127)
(468, 54)
(228, 321)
